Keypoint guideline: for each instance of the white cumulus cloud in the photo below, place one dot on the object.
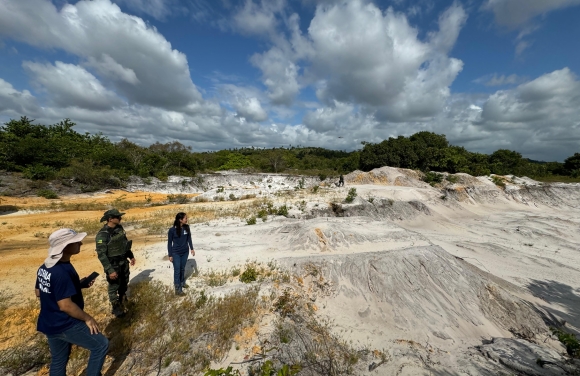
(69, 85)
(114, 42)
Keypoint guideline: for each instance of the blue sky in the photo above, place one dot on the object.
(488, 74)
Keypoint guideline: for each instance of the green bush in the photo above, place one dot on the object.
(162, 176)
(322, 177)
(498, 181)
(249, 275)
(251, 221)
(282, 210)
(263, 214)
(569, 340)
(351, 195)
(433, 178)
(90, 176)
(47, 193)
(452, 179)
(315, 189)
(38, 172)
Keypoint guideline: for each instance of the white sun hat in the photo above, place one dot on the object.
(58, 240)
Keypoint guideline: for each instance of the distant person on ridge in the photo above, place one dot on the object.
(113, 250)
(61, 317)
(179, 246)
(341, 181)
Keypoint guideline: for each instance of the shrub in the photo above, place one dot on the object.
(498, 181)
(322, 177)
(251, 221)
(215, 279)
(222, 372)
(433, 178)
(233, 197)
(569, 340)
(283, 210)
(286, 304)
(263, 214)
(162, 176)
(351, 195)
(301, 183)
(47, 193)
(452, 179)
(315, 189)
(337, 209)
(38, 172)
(91, 176)
(249, 275)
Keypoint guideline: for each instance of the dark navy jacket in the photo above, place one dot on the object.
(178, 244)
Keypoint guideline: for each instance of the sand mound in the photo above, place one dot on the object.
(428, 307)
(334, 234)
(427, 287)
(387, 176)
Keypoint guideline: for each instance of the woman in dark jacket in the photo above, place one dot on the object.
(178, 247)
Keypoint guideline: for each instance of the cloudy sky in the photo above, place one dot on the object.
(215, 74)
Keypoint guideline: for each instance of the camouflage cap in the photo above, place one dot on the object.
(111, 213)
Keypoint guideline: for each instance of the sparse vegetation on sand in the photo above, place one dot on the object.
(188, 333)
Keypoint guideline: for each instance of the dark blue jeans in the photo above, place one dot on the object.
(179, 262)
(80, 335)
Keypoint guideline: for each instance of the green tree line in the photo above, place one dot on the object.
(57, 151)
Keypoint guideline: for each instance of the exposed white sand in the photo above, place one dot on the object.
(529, 243)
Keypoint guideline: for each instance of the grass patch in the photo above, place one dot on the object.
(216, 278)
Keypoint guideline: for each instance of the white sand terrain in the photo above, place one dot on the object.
(462, 279)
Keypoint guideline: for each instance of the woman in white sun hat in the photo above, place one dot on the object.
(61, 317)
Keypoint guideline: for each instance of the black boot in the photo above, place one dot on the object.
(118, 310)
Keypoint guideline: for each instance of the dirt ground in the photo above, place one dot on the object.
(24, 234)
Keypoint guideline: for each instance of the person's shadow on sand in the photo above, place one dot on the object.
(191, 268)
(143, 276)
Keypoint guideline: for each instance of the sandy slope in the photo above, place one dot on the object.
(425, 273)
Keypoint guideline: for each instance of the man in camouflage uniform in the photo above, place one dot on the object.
(114, 251)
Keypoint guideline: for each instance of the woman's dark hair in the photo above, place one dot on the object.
(177, 224)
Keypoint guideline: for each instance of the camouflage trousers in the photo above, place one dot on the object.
(118, 287)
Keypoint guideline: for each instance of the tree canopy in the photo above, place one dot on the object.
(58, 151)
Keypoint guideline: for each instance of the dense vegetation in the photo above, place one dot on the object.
(57, 151)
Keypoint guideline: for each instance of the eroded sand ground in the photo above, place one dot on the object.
(426, 260)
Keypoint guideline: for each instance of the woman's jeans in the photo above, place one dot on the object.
(179, 262)
(80, 335)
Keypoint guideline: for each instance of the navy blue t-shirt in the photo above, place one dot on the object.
(57, 283)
